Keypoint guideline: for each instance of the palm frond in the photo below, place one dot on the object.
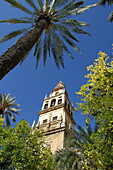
(19, 6)
(79, 31)
(27, 18)
(0, 98)
(7, 120)
(12, 116)
(66, 49)
(76, 5)
(38, 55)
(45, 48)
(58, 43)
(58, 3)
(21, 62)
(51, 5)
(55, 55)
(37, 45)
(8, 97)
(31, 3)
(71, 43)
(40, 4)
(72, 22)
(14, 110)
(16, 21)
(110, 18)
(49, 41)
(81, 9)
(67, 6)
(66, 32)
(13, 34)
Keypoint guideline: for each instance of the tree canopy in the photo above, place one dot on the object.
(8, 107)
(51, 28)
(22, 148)
(97, 102)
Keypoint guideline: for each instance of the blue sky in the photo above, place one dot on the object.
(30, 86)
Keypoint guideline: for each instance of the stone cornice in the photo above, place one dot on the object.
(57, 107)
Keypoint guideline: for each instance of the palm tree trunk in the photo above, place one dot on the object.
(16, 53)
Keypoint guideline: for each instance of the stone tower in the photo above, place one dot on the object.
(56, 117)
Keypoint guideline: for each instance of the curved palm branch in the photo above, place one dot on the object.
(71, 157)
(52, 18)
(8, 108)
(109, 2)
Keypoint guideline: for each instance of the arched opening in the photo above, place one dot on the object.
(53, 102)
(69, 107)
(46, 106)
(60, 101)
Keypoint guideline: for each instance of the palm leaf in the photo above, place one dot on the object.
(45, 48)
(71, 43)
(110, 18)
(40, 4)
(67, 6)
(27, 18)
(14, 110)
(25, 57)
(31, 3)
(72, 22)
(12, 116)
(49, 41)
(81, 9)
(66, 32)
(76, 5)
(7, 119)
(55, 55)
(58, 3)
(37, 45)
(66, 49)
(13, 34)
(0, 98)
(48, 2)
(15, 21)
(38, 55)
(8, 97)
(79, 31)
(51, 5)
(19, 6)
(58, 44)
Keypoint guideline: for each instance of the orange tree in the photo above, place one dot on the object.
(97, 102)
(22, 148)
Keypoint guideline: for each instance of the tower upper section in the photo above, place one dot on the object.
(57, 106)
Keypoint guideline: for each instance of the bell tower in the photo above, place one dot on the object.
(56, 117)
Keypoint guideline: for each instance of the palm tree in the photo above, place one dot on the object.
(51, 25)
(8, 107)
(110, 2)
(72, 157)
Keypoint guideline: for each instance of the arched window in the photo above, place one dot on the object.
(53, 102)
(72, 114)
(45, 121)
(55, 118)
(60, 101)
(46, 106)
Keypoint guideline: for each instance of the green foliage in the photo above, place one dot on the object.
(23, 148)
(97, 102)
(109, 2)
(8, 108)
(72, 156)
(59, 29)
(1, 120)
